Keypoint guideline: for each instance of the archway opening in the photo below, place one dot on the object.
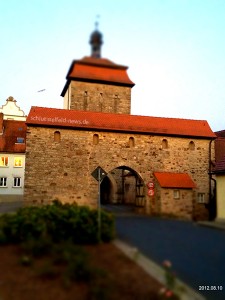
(123, 186)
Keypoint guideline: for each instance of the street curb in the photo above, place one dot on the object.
(215, 225)
(154, 270)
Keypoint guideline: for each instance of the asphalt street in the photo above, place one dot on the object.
(197, 253)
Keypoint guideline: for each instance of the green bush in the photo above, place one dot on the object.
(56, 222)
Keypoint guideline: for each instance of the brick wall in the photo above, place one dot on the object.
(98, 97)
(61, 169)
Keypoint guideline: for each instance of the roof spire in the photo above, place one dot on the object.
(96, 41)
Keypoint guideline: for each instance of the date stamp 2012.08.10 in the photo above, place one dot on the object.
(210, 287)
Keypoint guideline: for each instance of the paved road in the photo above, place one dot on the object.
(196, 252)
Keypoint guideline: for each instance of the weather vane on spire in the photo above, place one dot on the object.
(97, 22)
(96, 40)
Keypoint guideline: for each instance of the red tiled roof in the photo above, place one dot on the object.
(220, 166)
(174, 180)
(118, 122)
(93, 69)
(8, 139)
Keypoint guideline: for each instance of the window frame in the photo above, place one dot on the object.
(20, 164)
(201, 198)
(3, 159)
(3, 182)
(176, 194)
(15, 180)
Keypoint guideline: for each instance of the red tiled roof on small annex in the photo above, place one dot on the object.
(13, 137)
(98, 70)
(118, 122)
(174, 180)
(220, 166)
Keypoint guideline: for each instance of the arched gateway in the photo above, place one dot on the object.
(123, 185)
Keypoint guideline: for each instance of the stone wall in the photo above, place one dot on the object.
(167, 205)
(62, 168)
(99, 97)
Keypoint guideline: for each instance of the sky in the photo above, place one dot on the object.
(175, 51)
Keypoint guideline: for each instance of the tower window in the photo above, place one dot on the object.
(57, 136)
(85, 100)
(164, 144)
(191, 145)
(100, 101)
(116, 98)
(95, 139)
(131, 142)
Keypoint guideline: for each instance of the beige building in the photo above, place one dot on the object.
(95, 128)
(219, 170)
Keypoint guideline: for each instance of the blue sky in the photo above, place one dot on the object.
(175, 50)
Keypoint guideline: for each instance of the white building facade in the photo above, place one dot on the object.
(12, 151)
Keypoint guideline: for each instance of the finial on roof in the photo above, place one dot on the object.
(96, 41)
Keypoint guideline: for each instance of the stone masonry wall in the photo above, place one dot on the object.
(63, 169)
(99, 97)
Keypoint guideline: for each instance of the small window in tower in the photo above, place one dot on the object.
(95, 139)
(116, 98)
(85, 100)
(191, 145)
(164, 144)
(131, 142)
(57, 136)
(100, 102)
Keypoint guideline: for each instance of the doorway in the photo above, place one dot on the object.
(123, 186)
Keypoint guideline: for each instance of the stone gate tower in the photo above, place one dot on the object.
(97, 84)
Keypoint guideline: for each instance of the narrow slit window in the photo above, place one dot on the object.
(192, 145)
(57, 136)
(164, 144)
(131, 142)
(95, 139)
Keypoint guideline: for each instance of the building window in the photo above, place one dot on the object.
(17, 182)
(191, 145)
(3, 181)
(164, 144)
(4, 160)
(131, 142)
(57, 136)
(95, 139)
(201, 198)
(20, 140)
(176, 194)
(18, 162)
